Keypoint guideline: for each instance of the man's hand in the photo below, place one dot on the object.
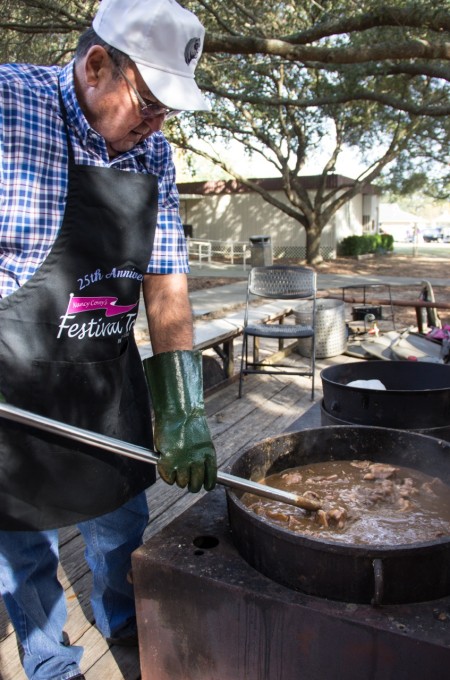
(181, 431)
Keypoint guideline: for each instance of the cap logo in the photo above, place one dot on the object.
(191, 50)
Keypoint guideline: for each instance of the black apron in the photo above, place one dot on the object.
(67, 351)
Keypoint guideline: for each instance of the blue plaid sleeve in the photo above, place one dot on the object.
(169, 254)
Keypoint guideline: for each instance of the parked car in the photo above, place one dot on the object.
(433, 235)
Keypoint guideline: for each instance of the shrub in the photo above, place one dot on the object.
(367, 243)
(351, 245)
(387, 242)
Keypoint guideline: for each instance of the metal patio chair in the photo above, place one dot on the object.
(278, 283)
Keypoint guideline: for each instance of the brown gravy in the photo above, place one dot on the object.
(363, 503)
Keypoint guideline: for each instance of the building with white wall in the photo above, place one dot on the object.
(400, 224)
(231, 211)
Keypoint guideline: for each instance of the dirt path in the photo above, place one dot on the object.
(385, 265)
(422, 268)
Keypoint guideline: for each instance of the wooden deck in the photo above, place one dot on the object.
(270, 404)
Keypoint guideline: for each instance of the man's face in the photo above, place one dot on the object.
(111, 105)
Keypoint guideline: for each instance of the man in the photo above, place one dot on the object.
(89, 213)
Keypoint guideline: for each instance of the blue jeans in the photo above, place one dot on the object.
(35, 599)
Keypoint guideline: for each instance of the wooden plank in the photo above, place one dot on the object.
(10, 666)
(100, 661)
(266, 420)
(272, 311)
(235, 415)
(210, 333)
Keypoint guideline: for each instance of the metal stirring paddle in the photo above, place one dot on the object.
(142, 454)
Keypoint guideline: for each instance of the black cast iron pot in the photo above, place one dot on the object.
(438, 432)
(417, 394)
(381, 574)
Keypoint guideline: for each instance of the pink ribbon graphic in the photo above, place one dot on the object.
(90, 304)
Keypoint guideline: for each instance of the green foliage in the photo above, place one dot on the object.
(387, 242)
(351, 246)
(42, 31)
(288, 79)
(286, 109)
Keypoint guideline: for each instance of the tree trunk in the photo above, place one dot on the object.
(313, 233)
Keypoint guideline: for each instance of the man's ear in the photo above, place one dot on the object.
(97, 65)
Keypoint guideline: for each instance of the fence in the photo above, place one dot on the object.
(231, 252)
(238, 252)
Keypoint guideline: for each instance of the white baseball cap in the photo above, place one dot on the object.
(165, 42)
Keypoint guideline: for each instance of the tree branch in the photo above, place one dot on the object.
(407, 49)
(411, 16)
(432, 110)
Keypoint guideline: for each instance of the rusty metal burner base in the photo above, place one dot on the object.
(205, 614)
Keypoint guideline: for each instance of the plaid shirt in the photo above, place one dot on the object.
(34, 172)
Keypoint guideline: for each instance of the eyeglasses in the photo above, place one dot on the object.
(149, 109)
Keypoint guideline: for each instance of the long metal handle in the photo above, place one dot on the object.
(145, 455)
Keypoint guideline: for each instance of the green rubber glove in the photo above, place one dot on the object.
(181, 433)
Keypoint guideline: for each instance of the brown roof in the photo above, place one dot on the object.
(232, 186)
